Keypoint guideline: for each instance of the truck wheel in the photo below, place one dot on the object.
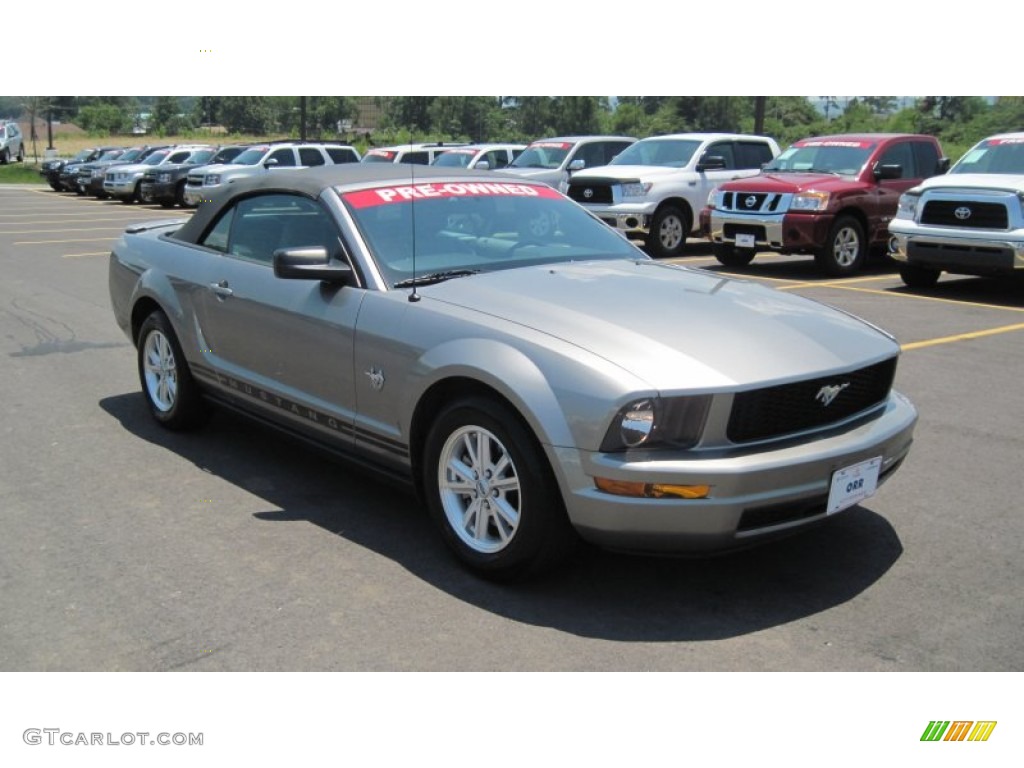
(844, 250)
(179, 195)
(730, 256)
(135, 196)
(916, 276)
(669, 229)
(5, 156)
(21, 154)
(491, 492)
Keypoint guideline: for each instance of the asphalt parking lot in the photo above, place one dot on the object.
(129, 548)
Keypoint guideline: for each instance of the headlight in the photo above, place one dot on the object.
(636, 188)
(669, 422)
(809, 201)
(907, 207)
(211, 180)
(163, 178)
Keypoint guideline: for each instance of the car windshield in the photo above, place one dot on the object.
(461, 228)
(202, 156)
(157, 157)
(379, 156)
(455, 158)
(226, 155)
(993, 156)
(841, 157)
(672, 153)
(543, 154)
(112, 154)
(85, 154)
(251, 156)
(132, 154)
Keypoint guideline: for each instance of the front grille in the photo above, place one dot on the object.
(762, 414)
(195, 181)
(751, 202)
(965, 213)
(591, 193)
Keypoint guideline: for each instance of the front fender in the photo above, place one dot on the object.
(501, 367)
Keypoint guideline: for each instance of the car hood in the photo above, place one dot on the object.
(640, 172)
(546, 175)
(135, 168)
(792, 182)
(674, 328)
(1007, 181)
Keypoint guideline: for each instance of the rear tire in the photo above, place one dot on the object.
(171, 393)
(491, 492)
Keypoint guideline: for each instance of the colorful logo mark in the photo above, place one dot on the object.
(959, 730)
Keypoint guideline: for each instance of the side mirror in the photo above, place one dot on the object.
(712, 163)
(270, 163)
(577, 165)
(310, 264)
(942, 165)
(889, 171)
(483, 165)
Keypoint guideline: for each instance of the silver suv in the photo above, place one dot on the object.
(415, 154)
(260, 158)
(11, 143)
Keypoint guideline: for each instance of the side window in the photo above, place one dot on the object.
(722, 149)
(265, 223)
(497, 158)
(179, 157)
(310, 156)
(284, 156)
(901, 154)
(217, 238)
(416, 158)
(342, 155)
(927, 159)
(752, 154)
(591, 154)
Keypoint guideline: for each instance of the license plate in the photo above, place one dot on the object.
(745, 241)
(851, 485)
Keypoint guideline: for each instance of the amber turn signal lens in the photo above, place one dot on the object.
(651, 490)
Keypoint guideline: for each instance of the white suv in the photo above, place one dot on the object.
(416, 154)
(655, 189)
(262, 158)
(11, 143)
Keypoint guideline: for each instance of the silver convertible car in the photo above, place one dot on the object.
(535, 376)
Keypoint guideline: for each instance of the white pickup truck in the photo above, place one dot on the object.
(969, 221)
(655, 189)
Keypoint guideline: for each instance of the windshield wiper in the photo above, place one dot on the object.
(821, 170)
(435, 277)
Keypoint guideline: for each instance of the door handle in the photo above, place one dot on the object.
(221, 289)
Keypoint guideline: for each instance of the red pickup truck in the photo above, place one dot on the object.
(830, 196)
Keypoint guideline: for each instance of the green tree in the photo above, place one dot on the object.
(106, 119)
(165, 110)
(247, 114)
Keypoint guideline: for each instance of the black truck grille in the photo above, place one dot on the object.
(591, 193)
(965, 213)
(771, 412)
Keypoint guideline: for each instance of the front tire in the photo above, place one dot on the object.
(5, 156)
(669, 229)
(491, 492)
(171, 393)
(729, 255)
(844, 251)
(916, 276)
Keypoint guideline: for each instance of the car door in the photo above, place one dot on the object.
(281, 346)
(888, 191)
